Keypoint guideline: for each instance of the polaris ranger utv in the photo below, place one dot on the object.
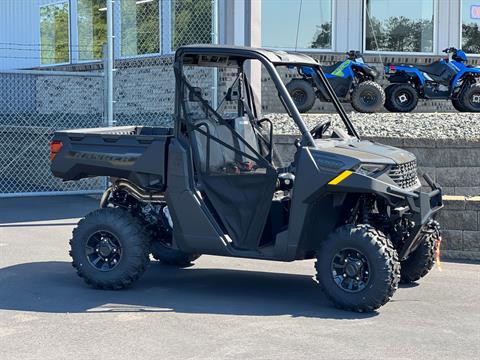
(211, 186)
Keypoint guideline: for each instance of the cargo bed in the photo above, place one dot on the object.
(136, 153)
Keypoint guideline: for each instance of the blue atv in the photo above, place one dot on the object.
(448, 78)
(352, 80)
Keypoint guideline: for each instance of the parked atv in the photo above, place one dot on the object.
(352, 80)
(448, 78)
(211, 186)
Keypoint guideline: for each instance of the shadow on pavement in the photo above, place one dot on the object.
(27, 209)
(53, 287)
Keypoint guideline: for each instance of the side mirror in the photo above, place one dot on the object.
(195, 94)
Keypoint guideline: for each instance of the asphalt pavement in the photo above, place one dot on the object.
(220, 308)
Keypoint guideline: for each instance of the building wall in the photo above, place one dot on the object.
(19, 33)
(239, 23)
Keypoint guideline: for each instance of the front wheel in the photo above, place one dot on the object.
(457, 104)
(470, 98)
(302, 93)
(368, 97)
(401, 98)
(109, 249)
(358, 268)
(422, 260)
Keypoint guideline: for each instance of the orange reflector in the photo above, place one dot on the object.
(340, 178)
(438, 254)
(55, 147)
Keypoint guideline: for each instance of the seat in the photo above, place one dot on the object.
(244, 128)
(222, 157)
(436, 68)
(331, 68)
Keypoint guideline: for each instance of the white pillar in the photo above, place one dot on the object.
(347, 25)
(109, 70)
(448, 23)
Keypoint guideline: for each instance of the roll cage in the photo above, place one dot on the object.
(218, 56)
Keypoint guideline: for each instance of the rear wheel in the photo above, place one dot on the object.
(469, 99)
(358, 268)
(422, 260)
(401, 98)
(368, 97)
(109, 249)
(302, 93)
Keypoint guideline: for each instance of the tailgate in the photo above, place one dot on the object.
(134, 153)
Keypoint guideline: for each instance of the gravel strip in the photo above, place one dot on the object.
(412, 125)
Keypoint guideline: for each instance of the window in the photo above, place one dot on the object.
(400, 26)
(92, 28)
(471, 26)
(54, 34)
(192, 22)
(281, 18)
(140, 27)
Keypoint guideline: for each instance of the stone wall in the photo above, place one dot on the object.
(453, 163)
(460, 221)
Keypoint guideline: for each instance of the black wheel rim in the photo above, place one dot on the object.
(404, 98)
(103, 250)
(350, 270)
(475, 100)
(299, 97)
(369, 98)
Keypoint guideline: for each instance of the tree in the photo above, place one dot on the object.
(55, 44)
(375, 39)
(471, 38)
(399, 34)
(192, 21)
(323, 37)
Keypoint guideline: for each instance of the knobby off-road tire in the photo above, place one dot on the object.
(368, 97)
(169, 256)
(469, 99)
(302, 93)
(422, 260)
(377, 255)
(120, 257)
(401, 98)
(458, 105)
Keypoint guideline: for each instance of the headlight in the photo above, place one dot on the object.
(370, 169)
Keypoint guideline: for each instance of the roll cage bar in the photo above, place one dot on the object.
(223, 55)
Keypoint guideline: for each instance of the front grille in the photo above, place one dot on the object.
(405, 175)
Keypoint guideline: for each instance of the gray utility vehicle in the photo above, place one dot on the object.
(210, 186)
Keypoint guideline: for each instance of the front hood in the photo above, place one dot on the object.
(365, 151)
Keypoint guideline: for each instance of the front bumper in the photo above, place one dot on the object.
(422, 205)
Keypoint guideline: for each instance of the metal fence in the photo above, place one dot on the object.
(36, 101)
(33, 104)
(144, 85)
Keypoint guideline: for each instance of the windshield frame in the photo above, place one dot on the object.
(321, 81)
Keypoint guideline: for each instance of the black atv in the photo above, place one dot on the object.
(211, 186)
(352, 80)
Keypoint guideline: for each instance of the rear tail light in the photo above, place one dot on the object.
(55, 147)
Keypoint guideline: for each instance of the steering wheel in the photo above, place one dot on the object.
(319, 129)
